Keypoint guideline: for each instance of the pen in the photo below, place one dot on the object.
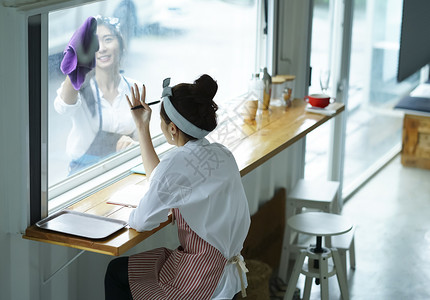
(150, 103)
(154, 102)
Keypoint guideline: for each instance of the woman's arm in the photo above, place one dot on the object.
(142, 117)
(68, 92)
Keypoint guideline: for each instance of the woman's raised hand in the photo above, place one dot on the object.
(140, 111)
(142, 115)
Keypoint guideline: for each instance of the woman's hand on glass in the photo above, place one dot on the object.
(140, 111)
(125, 142)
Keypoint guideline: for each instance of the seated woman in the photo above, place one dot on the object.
(199, 182)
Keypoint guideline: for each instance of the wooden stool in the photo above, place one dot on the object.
(318, 224)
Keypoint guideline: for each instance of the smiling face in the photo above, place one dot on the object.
(109, 52)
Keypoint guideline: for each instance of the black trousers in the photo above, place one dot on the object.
(116, 280)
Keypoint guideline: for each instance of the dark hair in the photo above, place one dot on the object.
(195, 103)
(114, 27)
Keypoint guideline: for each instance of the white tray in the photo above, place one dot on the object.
(81, 224)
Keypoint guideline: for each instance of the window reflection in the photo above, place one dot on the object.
(97, 108)
(157, 39)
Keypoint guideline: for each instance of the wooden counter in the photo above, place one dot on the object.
(271, 132)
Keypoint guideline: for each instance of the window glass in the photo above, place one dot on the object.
(317, 141)
(139, 41)
(373, 129)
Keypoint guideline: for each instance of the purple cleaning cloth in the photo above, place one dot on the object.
(79, 55)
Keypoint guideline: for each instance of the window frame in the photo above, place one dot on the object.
(45, 200)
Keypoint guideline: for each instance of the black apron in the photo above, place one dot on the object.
(103, 145)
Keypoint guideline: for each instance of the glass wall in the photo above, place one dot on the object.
(373, 129)
(181, 39)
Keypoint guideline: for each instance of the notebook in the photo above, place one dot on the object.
(139, 169)
(130, 195)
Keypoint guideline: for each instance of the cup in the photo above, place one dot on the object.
(250, 109)
(324, 80)
(319, 100)
(286, 95)
(289, 84)
(283, 88)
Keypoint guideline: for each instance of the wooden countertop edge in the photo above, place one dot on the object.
(275, 150)
(103, 246)
(54, 242)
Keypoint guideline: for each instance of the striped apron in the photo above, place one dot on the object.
(192, 271)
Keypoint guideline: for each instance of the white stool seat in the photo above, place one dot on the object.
(317, 194)
(318, 224)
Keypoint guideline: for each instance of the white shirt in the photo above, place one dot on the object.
(116, 118)
(203, 181)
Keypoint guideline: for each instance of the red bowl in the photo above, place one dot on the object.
(319, 100)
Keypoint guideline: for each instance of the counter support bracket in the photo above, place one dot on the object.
(47, 280)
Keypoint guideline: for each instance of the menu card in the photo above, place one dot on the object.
(130, 195)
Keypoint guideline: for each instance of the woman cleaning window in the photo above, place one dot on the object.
(93, 94)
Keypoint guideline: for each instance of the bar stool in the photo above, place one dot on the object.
(318, 195)
(319, 224)
(315, 194)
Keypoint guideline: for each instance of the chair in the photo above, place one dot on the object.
(314, 261)
(314, 195)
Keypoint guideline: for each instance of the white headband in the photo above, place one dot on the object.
(183, 124)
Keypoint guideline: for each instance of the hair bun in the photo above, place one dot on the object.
(206, 86)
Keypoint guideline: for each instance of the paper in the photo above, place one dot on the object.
(317, 110)
(130, 195)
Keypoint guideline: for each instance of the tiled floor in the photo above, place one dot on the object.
(392, 217)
